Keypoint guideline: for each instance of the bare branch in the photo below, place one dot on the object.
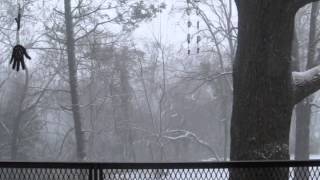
(184, 134)
(89, 13)
(93, 29)
(64, 140)
(33, 105)
(306, 83)
(315, 105)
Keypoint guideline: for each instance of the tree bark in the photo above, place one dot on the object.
(262, 80)
(265, 90)
(73, 82)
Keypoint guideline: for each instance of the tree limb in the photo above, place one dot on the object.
(300, 3)
(306, 83)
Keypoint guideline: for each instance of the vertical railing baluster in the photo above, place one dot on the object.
(93, 173)
(90, 174)
(96, 173)
(100, 173)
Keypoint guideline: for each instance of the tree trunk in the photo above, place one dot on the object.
(125, 102)
(262, 80)
(121, 102)
(73, 82)
(265, 89)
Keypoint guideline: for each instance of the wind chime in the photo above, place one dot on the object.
(193, 5)
(19, 51)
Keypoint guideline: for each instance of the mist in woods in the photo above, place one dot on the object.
(112, 81)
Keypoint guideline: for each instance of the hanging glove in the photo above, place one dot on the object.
(17, 57)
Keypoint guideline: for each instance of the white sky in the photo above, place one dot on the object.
(169, 24)
(172, 24)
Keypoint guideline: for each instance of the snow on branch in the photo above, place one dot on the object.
(184, 134)
(306, 83)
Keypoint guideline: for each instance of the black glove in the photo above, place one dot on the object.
(18, 57)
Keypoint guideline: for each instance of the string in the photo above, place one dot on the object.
(18, 21)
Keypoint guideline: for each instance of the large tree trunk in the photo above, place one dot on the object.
(264, 90)
(262, 81)
(73, 82)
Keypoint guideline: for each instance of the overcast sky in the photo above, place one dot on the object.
(169, 25)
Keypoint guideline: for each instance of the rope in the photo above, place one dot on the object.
(18, 21)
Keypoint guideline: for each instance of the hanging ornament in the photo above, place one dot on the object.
(195, 5)
(188, 11)
(189, 24)
(198, 41)
(198, 26)
(19, 52)
(17, 57)
(18, 18)
(189, 41)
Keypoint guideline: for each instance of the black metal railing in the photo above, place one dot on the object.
(271, 170)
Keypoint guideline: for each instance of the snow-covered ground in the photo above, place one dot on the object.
(312, 157)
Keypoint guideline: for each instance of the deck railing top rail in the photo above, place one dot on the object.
(167, 165)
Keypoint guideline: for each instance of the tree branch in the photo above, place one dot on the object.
(306, 83)
(300, 3)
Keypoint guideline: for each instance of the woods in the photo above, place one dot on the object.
(112, 81)
(94, 93)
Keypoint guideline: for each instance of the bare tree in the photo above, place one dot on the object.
(73, 82)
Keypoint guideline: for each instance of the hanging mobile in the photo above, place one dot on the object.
(189, 26)
(198, 27)
(19, 51)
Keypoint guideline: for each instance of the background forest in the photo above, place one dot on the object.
(111, 80)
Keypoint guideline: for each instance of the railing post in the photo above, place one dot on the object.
(100, 173)
(93, 173)
(90, 174)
